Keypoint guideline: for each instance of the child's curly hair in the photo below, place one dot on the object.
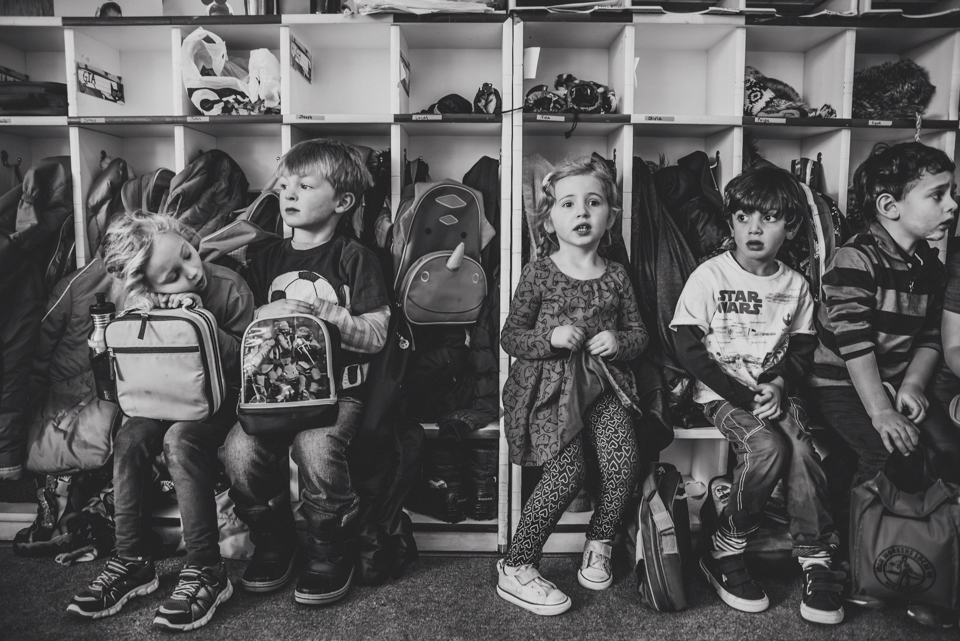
(583, 166)
(769, 190)
(894, 170)
(127, 246)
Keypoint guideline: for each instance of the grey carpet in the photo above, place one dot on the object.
(441, 598)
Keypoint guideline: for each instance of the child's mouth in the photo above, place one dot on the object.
(755, 245)
(582, 229)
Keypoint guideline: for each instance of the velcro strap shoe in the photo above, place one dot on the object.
(525, 587)
(596, 571)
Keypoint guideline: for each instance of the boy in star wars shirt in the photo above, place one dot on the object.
(322, 273)
(744, 326)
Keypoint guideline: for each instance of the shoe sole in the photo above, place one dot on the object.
(324, 599)
(821, 616)
(733, 600)
(946, 626)
(593, 585)
(536, 608)
(262, 587)
(163, 624)
(143, 590)
(870, 605)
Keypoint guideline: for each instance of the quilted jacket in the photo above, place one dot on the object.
(205, 195)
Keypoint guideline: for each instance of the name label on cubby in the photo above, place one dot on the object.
(92, 121)
(659, 119)
(427, 117)
(198, 118)
(545, 118)
(772, 121)
(880, 123)
(311, 117)
(6, 121)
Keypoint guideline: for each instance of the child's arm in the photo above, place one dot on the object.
(236, 318)
(521, 338)
(849, 295)
(924, 362)
(364, 333)
(693, 355)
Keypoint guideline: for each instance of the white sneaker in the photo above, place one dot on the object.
(525, 587)
(596, 572)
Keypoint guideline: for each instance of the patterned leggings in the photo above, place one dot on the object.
(610, 434)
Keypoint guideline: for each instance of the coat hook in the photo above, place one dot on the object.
(820, 157)
(103, 155)
(4, 158)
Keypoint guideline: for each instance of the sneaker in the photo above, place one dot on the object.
(525, 587)
(820, 601)
(271, 566)
(119, 582)
(729, 577)
(932, 617)
(198, 593)
(595, 571)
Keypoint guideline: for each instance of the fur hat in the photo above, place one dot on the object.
(892, 90)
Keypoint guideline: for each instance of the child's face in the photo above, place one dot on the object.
(581, 212)
(310, 202)
(174, 266)
(758, 236)
(927, 210)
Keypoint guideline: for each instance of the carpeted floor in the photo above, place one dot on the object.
(441, 598)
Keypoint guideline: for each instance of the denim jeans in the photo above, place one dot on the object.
(258, 468)
(190, 450)
(767, 451)
(843, 412)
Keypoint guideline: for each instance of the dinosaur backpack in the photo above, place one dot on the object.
(437, 238)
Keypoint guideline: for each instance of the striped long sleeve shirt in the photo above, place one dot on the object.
(877, 299)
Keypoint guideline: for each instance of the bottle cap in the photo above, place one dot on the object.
(102, 307)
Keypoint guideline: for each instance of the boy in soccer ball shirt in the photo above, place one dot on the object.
(320, 272)
(744, 329)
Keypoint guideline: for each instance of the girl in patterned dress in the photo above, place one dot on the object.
(573, 325)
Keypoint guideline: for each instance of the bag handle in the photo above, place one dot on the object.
(661, 517)
(911, 505)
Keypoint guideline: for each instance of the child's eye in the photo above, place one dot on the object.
(769, 219)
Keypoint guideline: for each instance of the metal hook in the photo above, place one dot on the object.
(820, 157)
(4, 158)
(103, 155)
(916, 136)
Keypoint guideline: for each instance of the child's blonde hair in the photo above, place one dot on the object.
(339, 163)
(584, 166)
(127, 246)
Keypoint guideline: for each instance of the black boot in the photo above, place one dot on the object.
(441, 494)
(329, 572)
(274, 535)
(483, 460)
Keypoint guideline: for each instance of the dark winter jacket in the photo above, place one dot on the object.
(149, 192)
(70, 429)
(690, 194)
(31, 218)
(104, 201)
(205, 195)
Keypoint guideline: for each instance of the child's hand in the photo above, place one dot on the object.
(911, 402)
(604, 344)
(188, 299)
(897, 431)
(567, 337)
(285, 307)
(766, 404)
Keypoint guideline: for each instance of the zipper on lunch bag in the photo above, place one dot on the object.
(216, 371)
(153, 350)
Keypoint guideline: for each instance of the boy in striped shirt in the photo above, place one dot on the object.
(879, 320)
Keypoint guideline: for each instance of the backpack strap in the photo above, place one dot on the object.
(664, 524)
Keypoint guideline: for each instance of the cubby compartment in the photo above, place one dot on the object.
(802, 7)
(669, 143)
(350, 69)
(783, 145)
(688, 69)
(909, 7)
(36, 53)
(450, 149)
(592, 51)
(438, 59)
(814, 61)
(25, 145)
(240, 40)
(140, 56)
(256, 147)
(936, 50)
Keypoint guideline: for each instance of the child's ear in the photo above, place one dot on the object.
(611, 221)
(887, 207)
(548, 225)
(792, 231)
(345, 202)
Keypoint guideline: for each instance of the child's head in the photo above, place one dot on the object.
(320, 181)
(765, 207)
(151, 253)
(909, 185)
(580, 202)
